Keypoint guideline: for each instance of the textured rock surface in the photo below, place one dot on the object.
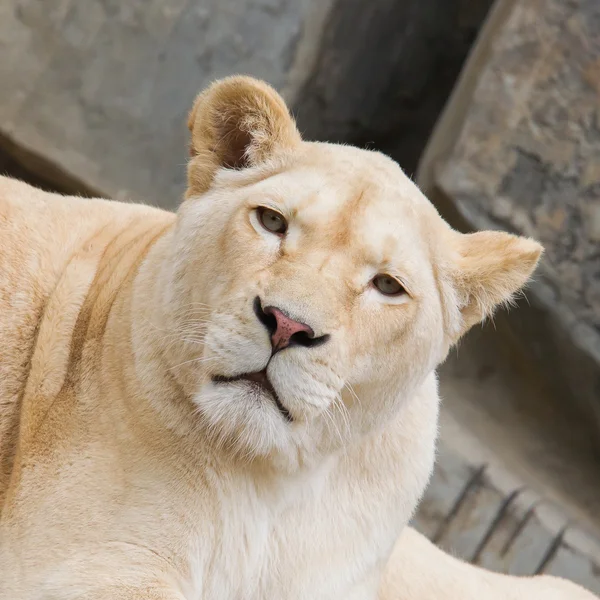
(518, 148)
(466, 512)
(384, 70)
(97, 92)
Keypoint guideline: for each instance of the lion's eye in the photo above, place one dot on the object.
(271, 220)
(388, 285)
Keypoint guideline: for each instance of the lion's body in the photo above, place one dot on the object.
(51, 250)
(97, 485)
(139, 457)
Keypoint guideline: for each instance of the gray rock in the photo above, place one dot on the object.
(467, 512)
(384, 70)
(95, 94)
(518, 148)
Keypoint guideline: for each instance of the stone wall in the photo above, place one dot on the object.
(518, 148)
(95, 94)
(384, 70)
(469, 513)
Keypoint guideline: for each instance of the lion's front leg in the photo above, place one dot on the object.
(419, 570)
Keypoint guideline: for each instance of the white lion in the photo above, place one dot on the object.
(237, 401)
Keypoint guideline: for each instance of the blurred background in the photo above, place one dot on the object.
(492, 107)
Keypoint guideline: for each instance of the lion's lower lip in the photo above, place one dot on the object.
(260, 380)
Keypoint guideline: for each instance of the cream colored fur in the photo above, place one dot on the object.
(127, 473)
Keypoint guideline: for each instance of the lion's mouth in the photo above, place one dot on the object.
(260, 381)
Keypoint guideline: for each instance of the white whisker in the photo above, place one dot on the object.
(339, 403)
(193, 360)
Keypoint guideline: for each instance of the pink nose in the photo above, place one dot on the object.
(285, 328)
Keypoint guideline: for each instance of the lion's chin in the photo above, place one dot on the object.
(242, 419)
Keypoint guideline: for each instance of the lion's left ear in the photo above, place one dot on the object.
(489, 268)
(237, 122)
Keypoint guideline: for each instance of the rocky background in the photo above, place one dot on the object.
(518, 148)
(493, 107)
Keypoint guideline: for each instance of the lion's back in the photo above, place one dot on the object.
(39, 234)
(25, 280)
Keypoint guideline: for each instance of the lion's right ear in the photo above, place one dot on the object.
(237, 122)
(488, 269)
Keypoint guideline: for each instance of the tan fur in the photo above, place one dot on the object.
(236, 122)
(127, 473)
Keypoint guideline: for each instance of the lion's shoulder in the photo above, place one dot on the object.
(41, 234)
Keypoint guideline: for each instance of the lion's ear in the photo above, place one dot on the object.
(237, 122)
(490, 267)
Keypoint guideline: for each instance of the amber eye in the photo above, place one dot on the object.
(271, 220)
(388, 285)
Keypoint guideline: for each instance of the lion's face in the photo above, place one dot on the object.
(315, 287)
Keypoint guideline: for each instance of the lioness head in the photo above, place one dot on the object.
(315, 288)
